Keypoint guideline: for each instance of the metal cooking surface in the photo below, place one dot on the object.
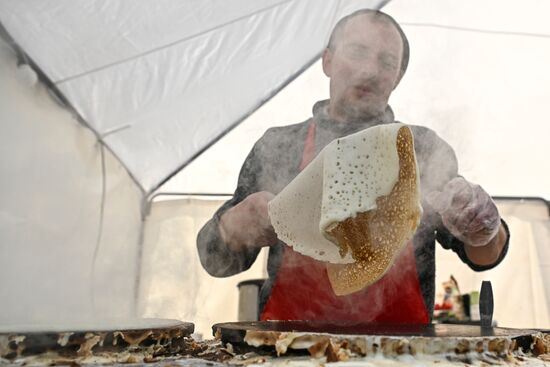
(152, 336)
(237, 330)
(94, 325)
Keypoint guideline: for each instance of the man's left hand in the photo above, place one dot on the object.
(467, 211)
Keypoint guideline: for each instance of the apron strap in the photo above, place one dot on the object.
(309, 146)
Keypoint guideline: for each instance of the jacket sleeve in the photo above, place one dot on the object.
(216, 258)
(440, 165)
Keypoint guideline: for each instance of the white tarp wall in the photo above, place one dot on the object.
(62, 255)
(173, 282)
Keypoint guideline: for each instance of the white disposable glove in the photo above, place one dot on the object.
(467, 211)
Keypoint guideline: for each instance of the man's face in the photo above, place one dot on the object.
(363, 67)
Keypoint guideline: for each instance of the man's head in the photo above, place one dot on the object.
(365, 59)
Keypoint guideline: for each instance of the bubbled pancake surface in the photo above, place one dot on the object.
(375, 238)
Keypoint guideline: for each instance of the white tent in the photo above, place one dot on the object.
(141, 88)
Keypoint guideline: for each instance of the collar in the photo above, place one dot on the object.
(323, 120)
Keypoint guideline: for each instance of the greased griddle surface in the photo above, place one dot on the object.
(235, 331)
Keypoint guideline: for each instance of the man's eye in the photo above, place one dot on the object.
(389, 65)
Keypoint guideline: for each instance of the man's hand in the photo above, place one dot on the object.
(467, 211)
(247, 224)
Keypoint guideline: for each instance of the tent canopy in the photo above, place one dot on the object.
(158, 82)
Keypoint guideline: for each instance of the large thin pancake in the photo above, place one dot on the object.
(377, 236)
(296, 211)
(345, 178)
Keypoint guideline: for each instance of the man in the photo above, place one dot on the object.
(365, 59)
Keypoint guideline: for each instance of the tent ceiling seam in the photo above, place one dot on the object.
(476, 30)
(182, 40)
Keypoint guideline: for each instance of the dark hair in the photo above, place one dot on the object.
(377, 14)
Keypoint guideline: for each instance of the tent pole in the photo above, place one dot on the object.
(525, 198)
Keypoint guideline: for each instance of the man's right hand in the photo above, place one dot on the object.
(247, 224)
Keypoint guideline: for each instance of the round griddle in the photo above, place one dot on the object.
(236, 331)
(339, 341)
(87, 338)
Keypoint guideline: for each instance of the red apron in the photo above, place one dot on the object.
(302, 290)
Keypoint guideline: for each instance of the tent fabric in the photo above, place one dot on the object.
(159, 82)
(70, 215)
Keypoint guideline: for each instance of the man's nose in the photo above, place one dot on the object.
(368, 70)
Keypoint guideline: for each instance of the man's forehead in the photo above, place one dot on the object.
(366, 27)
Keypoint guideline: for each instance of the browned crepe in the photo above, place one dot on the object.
(377, 236)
